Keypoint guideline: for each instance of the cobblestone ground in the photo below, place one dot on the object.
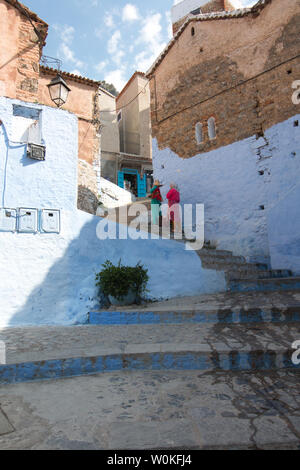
(154, 410)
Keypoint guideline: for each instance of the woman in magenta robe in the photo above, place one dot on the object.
(173, 197)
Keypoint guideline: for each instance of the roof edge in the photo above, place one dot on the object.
(70, 76)
(223, 15)
(42, 26)
(136, 74)
(23, 8)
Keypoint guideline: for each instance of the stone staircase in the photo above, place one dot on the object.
(242, 276)
(252, 327)
(221, 332)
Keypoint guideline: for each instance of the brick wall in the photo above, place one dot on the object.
(27, 82)
(83, 101)
(21, 52)
(228, 70)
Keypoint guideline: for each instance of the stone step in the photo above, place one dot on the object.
(265, 285)
(263, 314)
(218, 258)
(213, 252)
(59, 352)
(232, 266)
(257, 274)
(261, 266)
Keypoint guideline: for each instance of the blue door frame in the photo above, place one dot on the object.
(141, 182)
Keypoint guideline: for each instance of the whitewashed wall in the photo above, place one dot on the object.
(114, 196)
(227, 181)
(50, 278)
(184, 8)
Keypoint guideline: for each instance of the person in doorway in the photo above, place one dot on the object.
(174, 218)
(156, 201)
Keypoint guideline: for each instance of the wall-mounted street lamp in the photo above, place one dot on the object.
(58, 89)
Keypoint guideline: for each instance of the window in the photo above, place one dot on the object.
(199, 133)
(193, 31)
(119, 118)
(26, 125)
(211, 128)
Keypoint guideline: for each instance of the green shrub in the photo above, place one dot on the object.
(117, 281)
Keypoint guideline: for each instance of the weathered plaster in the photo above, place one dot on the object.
(233, 183)
(50, 278)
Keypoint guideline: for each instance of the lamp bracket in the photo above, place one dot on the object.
(47, 61)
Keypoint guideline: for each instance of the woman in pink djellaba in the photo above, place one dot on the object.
(174, 218)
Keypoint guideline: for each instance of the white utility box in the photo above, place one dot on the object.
(28, 220)
(50, 221)
(8, 220)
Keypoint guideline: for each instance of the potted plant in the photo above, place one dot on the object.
(123, 285)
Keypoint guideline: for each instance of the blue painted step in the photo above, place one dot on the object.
(157, 360)
(229, 315)
(265, 285)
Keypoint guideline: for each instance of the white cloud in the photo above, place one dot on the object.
(66, 34)
(151, 30)
(112, 45)
(69, 55)
(150, 36)
(115, 48)
(101, 66)
(169, 22)
(109, 20)
(76, 72)
(130, 13)
(117, 78)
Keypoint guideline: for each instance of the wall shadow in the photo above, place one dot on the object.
(68, 291)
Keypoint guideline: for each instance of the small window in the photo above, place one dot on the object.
(211, 128)
(26, 125)
(119, 118)
(199, 133)
(193, 31)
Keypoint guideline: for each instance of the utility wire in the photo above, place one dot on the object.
(224, 91)
(206, 99)
(127, 104)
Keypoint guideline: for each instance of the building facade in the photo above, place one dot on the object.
(225, 122)
(133, 117)
(83, 101)
(50, 250)
(23, 36)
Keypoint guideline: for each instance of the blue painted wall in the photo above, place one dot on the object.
(50, 278)
(235, 183)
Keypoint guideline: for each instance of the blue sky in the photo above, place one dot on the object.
(106, 39)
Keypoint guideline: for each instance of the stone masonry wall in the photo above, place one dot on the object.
(230, 76)
(88, 189)
(27, 82)
(83, 101)
(21, 49)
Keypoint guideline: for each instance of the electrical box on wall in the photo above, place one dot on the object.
(36, 152)
(8, 220)
(50, 221)
(28, 220)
